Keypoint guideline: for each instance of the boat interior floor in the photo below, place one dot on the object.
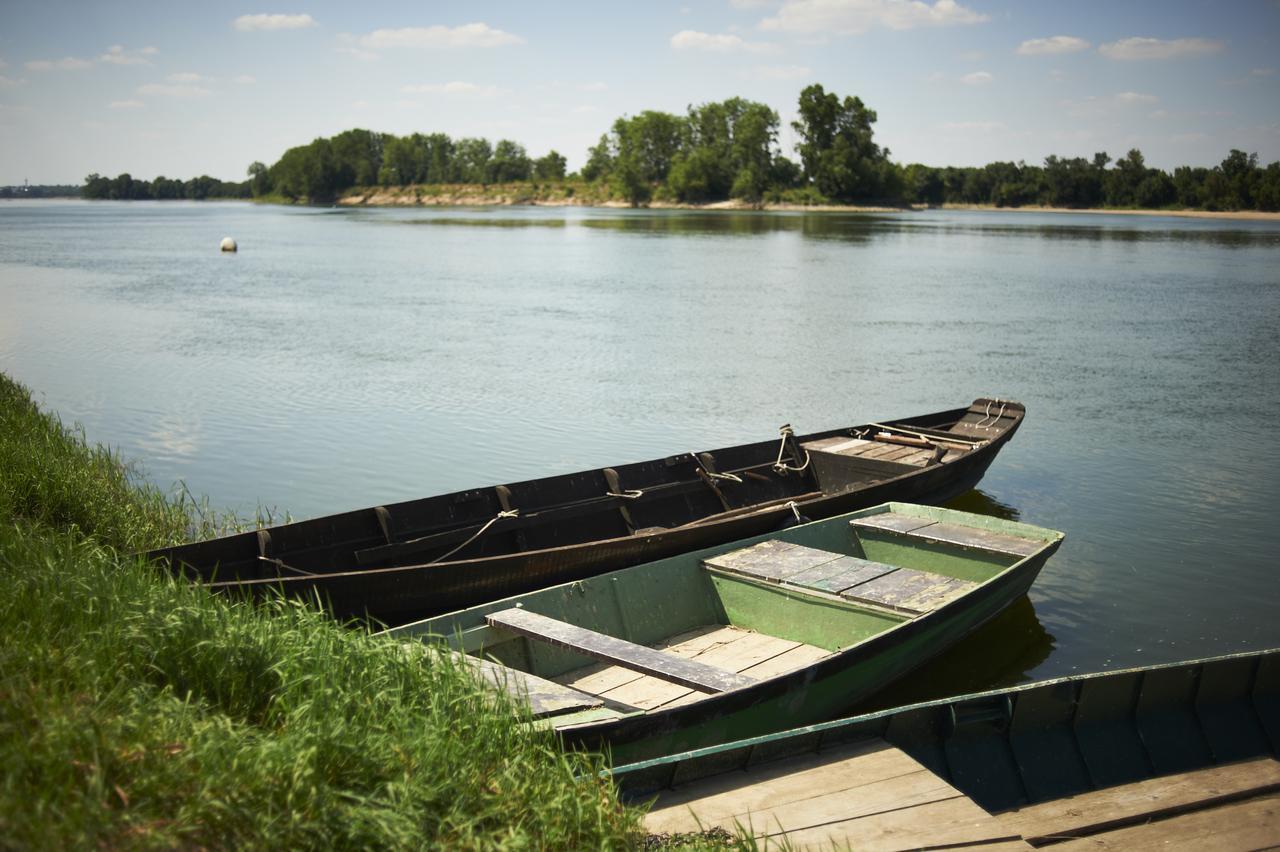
(732, 649)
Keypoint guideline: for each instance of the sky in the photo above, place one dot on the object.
(182, 88)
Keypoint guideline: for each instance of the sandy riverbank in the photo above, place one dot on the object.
(556, 195)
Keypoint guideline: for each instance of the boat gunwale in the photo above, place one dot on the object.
(989, 448)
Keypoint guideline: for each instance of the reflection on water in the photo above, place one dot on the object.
(981, 503)
(347, 358)
(861, 227)
(1000, 653)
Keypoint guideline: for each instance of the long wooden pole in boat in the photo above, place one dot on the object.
(958, 441)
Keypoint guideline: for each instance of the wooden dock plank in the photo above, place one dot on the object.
(781, 782)
(1234, 827)
(659, 664)
(955, 822)
(867, 795)
(1095, 811)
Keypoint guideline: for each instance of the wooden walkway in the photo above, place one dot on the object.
(872, 796)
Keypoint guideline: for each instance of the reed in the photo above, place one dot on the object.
(137, 710)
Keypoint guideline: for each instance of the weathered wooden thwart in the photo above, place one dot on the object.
(1173, 757)
(750, 636)
(409, 560)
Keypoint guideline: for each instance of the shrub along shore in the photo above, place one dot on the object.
(136, 710)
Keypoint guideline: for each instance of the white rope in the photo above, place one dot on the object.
(778, 464)
(629, 494)
(727, 477)
(983, 424)
(506, 513)
(791, 504)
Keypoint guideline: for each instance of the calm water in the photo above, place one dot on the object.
(347, 358)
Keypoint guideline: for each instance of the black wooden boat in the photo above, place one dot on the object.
(410, 560)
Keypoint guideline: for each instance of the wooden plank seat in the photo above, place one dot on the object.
(544, 697)
(1010, 545)
(861, 580)
(879, 450)
(600, 646)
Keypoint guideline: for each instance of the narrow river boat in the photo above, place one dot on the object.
(1179, 755)
(752, 636)
(408, 560)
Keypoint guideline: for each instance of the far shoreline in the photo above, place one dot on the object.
(478, 197)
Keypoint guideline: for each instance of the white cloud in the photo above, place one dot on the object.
(716, 42)
(174, 91)
(455, 87)
(467, 35)
(249, 23)
(126, 105)
(1155, 48)
(1256, 72)
(3, 64)
(977, 78)
(853, 17)
(1135, 98)
(11, 83)
(781, 72)
(748, 4)
(973, 126)
(1052, 45)
(597, 86)
(357, 53)
(582, 109)
(185, 77)
(244, 79)
(117, 55)
(67, 63)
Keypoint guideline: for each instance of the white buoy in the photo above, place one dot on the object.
(228, 244)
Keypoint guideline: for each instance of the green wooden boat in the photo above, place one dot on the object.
(752, 636)
(1038, 742)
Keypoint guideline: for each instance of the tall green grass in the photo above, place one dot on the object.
(140, 711)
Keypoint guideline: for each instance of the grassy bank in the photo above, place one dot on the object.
(140, 711)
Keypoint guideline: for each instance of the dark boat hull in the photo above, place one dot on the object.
(360, 564)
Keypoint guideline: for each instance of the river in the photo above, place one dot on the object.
(344, 358)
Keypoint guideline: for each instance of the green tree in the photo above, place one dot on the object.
(259, 179)
(509, 162)
(550, 167)
(836, 147)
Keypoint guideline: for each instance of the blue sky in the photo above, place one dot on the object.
(181, 88)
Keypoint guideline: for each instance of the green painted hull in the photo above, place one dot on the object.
(869, 647)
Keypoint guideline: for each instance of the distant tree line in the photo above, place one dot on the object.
(125, 187)
(325, 168)
(1237, 183)
(41, 191)
(729, 150)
